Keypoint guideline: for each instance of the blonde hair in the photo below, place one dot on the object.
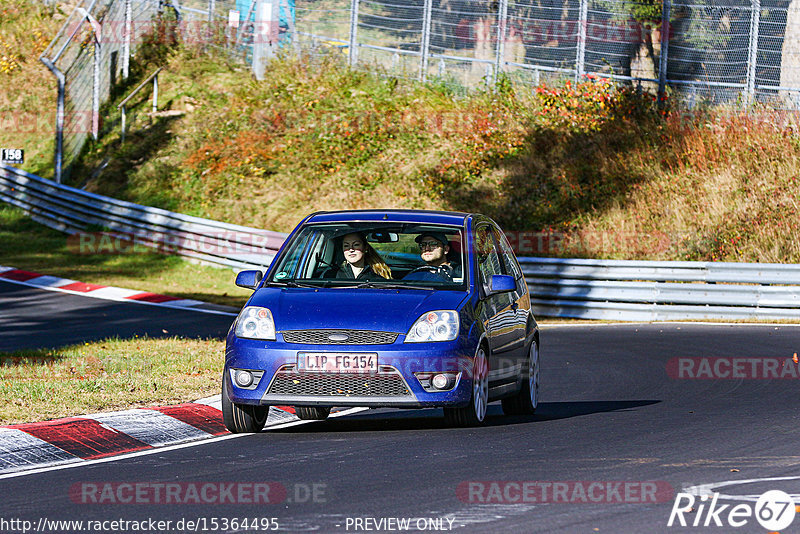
(378, 265)
(372, 258)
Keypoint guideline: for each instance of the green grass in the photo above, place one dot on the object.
(37, 385)
(30, 246)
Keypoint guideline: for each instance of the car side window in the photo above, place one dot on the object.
(292, 262)
(507, 253)
(486, 252)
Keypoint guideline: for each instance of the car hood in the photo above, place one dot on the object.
(359, 309)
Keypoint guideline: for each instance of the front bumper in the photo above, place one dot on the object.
(394, 385)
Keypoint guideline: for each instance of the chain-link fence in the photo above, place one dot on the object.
(720, 52)
(91, 51)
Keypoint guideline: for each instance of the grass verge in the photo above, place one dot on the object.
(37, 385)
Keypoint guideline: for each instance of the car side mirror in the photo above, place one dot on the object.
(501, 283)
(249, 279)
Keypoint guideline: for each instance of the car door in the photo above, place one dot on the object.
(520, 299)
(496, 310)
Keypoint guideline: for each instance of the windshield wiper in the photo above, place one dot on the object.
(292, 283)
(381, 285)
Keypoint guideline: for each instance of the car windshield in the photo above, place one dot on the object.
(374, 255)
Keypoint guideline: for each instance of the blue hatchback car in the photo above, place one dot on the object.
(384, 308)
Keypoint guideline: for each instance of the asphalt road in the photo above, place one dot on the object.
(611, 412)
(32, 318)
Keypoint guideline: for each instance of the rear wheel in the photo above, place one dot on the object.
(526, 401)
(242, 418)
(312, 413)
(475, 412)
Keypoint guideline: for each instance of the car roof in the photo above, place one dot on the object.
(453, 218)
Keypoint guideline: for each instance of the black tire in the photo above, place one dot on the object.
(526, 401)
(242, 418)
(312, 413)
(474, 413)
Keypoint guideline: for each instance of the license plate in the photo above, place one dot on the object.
(337, 362)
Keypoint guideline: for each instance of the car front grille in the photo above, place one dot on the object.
(354, 337)
(339, 385)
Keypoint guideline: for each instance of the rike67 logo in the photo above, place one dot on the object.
(774, 510)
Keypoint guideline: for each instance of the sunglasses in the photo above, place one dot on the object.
(429, 244)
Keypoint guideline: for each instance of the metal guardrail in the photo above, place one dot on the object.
(662, 290)
(72, 210)
(579, 288)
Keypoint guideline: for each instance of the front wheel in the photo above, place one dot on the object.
(242, 418)
(475, 412)
(526, 401)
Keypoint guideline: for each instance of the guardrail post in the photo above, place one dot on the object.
(664, 56)
(425, 49)
(752, 58)
(353, 50)
(583, 21)
(500, 50)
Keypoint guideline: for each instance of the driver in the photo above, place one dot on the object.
(434, 247)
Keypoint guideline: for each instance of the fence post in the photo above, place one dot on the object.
(580, 60)
(211, 9)
(664, 57)
(426, 40)
(752, 58)
(97, 32)
(96, 90)
(500, 50)
(265, 35)
(126, 41)
(59, 152)
(155, 93)
(353, 51)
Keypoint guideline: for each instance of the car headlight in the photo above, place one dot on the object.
(255, 322)
(440, 325)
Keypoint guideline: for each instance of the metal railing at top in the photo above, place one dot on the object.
(579, 288)
(124, 104)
